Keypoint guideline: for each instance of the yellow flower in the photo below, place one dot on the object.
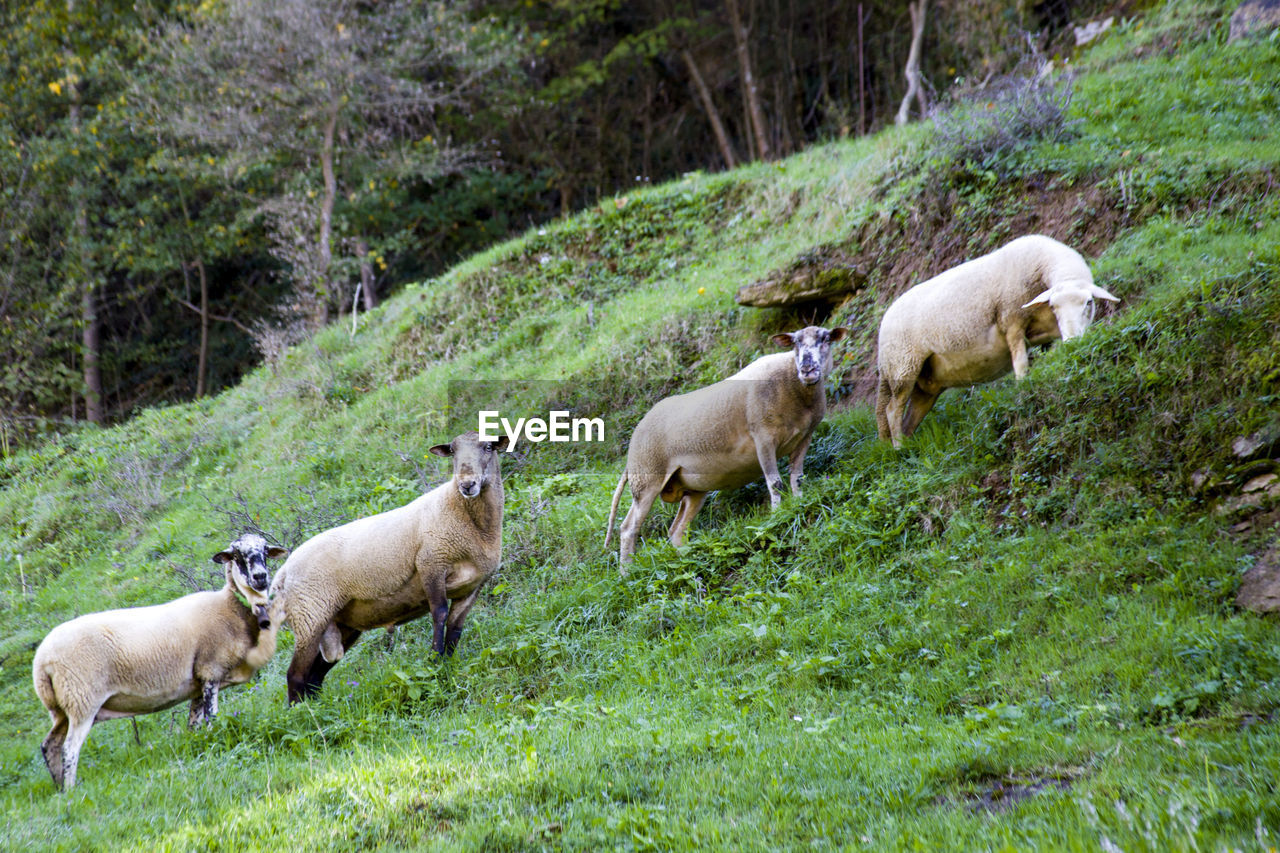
(55, 87)
(701, 290)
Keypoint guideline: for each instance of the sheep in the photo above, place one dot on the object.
(972, 324)
(725, 435)
(136, 660)
(387, 569)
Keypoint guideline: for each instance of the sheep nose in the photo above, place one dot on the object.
(259, 580)
(469, 488)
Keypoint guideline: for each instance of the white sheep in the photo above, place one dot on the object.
(396, 566)
(972, 324)
(120, 663)
(725, 435)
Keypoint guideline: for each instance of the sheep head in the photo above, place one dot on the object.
(246, 565)
(1073, 305)
(475, 462)
(812, 346)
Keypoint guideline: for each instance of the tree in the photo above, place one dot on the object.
(350, 89)
(750, 93)
(912, 71)
(59, 70)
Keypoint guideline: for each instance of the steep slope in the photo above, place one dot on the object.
(1018, 630)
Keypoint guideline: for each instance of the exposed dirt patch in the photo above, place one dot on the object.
(943, 230)
(1260, 588)
(999, 795)
(1250, 720)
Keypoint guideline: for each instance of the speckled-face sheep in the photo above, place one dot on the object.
(973, 323)
(725, 435)
(120, 663)
(430, 556)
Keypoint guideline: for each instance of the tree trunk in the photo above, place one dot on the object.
(750, 95)
(366, 276)
(862, 78)
(325, 237)
(91, 325)
(202, 366)
(912, 71)
(709, 106)
(92, 345)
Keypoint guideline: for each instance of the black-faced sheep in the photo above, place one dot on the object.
(396, 566)
(725, 435)
(973, 323)
(120, 663)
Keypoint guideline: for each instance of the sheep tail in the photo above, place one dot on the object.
(613, 509)
(44, 685)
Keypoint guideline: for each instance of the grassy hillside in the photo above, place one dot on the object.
(1018, 631)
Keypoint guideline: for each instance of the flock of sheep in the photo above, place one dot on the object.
(970, 324)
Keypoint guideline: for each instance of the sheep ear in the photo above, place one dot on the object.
(784, 340)
(1102, 294)
(223, 557)
(501, 444)
(275, 552)
(1044, 297)
(839, 333)
(441, 450)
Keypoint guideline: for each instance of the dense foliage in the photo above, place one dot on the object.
(188, 188)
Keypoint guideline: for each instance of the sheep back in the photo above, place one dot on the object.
(708, 433)
(147, 659)
(375, 562)
(960, 317)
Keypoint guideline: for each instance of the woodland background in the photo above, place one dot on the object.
(188, 188)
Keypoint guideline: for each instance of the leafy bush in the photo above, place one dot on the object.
(1004, 114)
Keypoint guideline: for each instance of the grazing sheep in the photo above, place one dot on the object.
(390, 568)
(120, 663)
(725, 435)
(972, 324)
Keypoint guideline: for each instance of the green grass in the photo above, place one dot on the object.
(1018, 632)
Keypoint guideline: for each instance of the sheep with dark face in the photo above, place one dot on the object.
(120, 663)
(974, 322)
(431, 556)
(725, 435)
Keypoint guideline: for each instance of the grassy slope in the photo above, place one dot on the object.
(1029, 597)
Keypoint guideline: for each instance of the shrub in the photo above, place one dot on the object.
(1004, 114)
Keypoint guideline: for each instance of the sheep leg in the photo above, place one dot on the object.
(321, 665)
(204, 706)
(883, 395)
(690, 503)
(896, 408)
(917, 407)
(298, 680)
(766, 455)
(77, 731)
(1016, 337)
(457, 615)
(641, 502)
(438, 601)
(797, 463)
(51, 749)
